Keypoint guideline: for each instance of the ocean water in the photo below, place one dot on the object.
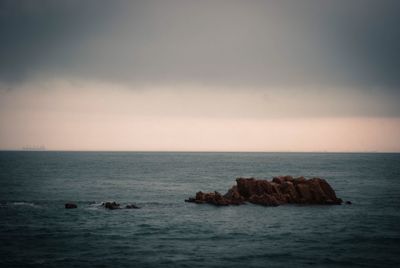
(36, 230)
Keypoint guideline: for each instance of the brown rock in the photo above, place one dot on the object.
(305, 194)
(214, 198)
(245, 186)
(279, 180)
(319, 196)
(299, 180)
(234, 196)
(288, 188)
(288, 178)
(328, 190)
(281, 190)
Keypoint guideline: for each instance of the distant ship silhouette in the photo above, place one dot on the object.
(34, 148)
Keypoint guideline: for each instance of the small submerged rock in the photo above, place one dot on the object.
(71, 205)
(348, 203)
(132, 206)
(111, 205)
(115, 205)
(281, 190)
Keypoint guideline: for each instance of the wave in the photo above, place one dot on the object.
(18, 204)
(30, 204)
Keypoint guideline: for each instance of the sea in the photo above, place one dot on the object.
(37, 231)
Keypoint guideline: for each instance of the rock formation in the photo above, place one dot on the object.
(281, 190)
(111, 205)
(114, 205)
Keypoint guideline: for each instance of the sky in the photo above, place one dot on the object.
(186, 75)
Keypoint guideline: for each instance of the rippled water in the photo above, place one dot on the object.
(36, 230)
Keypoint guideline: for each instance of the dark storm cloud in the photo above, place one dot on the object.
(246, 43)
(365, 37)
(37, 36)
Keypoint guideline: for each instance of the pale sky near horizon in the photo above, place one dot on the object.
(179, 75)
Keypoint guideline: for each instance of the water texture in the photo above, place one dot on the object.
(36, 230)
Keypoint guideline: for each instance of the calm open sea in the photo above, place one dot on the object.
(36, 230)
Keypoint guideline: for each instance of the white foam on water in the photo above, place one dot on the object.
(30, 204)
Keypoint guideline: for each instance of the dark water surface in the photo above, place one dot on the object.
(36, 230)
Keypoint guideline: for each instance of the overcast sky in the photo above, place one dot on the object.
(200, 75)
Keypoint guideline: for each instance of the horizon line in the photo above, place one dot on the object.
(189, 151)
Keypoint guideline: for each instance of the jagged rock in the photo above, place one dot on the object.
(111, 205)
(287, 188)
(281, 190)
(214, 198)
(278, 180)
(304, 192)
(299, 180)
(234, 196)
(282, 179)
(265, 200)
(70, 205)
